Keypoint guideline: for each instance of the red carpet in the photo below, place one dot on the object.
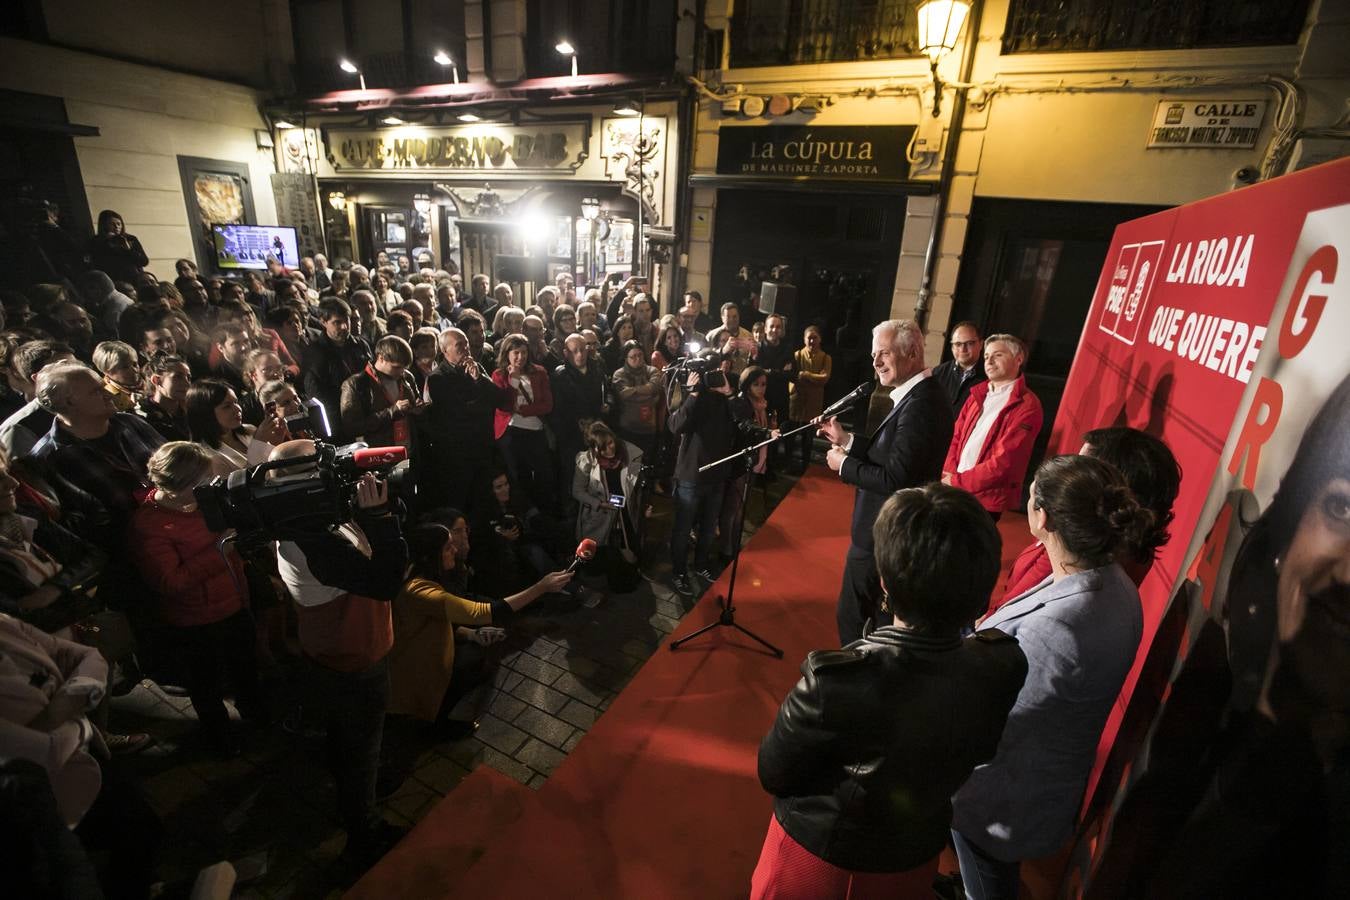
(660, 799)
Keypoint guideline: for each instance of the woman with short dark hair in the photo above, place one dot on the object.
(638, 386)
(868, 748)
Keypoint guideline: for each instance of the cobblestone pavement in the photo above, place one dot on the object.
(271, 811)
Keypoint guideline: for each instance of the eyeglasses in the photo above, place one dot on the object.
(956, 345)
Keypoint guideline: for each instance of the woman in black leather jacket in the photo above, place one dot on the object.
(871, 744)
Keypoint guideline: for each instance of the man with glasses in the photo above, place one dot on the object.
(964, 370)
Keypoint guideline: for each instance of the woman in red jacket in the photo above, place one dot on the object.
(201, 590)
(519, 427)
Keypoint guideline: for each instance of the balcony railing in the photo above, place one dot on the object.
(787, 32)
(1045, 26)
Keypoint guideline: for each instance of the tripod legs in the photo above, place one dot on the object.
(727, 618)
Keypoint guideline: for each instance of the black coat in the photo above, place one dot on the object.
(326, 365)
(957, 383)
(577, 396)
(709, 431)
(460, 418)
(869, 747)
(906, 451)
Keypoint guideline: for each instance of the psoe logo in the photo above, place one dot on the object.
(1132, 279)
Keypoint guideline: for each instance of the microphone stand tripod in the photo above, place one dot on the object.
(727, 617)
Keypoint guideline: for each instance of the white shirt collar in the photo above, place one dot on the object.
(899, 393)
(1002, 390)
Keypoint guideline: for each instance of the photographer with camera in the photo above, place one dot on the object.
(343, 579)
(708, 432)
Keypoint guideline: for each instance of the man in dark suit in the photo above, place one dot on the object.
(463, 401)
(907, 450)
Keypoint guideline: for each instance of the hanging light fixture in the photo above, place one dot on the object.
(350, 68)
(444, 59)
(590, 209)
(566, 49)
(940, 23)
(422, 203)
(338, 200)
(627, 108)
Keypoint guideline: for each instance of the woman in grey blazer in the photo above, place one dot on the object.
(1079, 628)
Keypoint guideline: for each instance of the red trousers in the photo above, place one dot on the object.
(788, 871)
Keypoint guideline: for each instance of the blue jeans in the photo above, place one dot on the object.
(983, 876)
(696, 506)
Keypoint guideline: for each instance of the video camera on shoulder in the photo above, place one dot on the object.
(708, 365)
(309, 494)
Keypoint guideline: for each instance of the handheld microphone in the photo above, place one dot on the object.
(378, 457)
(858, 393)
(585, 553)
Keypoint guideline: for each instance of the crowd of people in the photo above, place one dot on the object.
(525, 429)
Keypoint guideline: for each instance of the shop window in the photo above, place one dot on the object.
(1043, 26)
(784, 32)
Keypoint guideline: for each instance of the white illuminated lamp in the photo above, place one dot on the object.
(940, 23)
(422, 203)
(627, 108)
(590, 209)
(282, 123)
(350, 68)
(468, 117)
(566, 49)
(443, 59)
(337, 200)
(393, 120)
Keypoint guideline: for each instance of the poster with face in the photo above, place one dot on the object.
(1251, 658)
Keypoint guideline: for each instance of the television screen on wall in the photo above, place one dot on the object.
(250, 246)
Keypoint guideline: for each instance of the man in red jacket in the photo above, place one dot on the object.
(991, 445)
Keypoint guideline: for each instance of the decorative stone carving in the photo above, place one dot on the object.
(638, 159)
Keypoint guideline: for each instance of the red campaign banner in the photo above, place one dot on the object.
(1176, 342)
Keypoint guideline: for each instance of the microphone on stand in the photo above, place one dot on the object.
(860, 392)
(585, 553)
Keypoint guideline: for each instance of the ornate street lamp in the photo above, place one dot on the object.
(940, 24)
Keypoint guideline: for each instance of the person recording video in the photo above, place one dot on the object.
(708, 431)
(343, 579)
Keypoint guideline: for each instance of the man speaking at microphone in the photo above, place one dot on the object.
(906, 451)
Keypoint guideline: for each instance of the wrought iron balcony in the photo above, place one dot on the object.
(787, 32)
(1045, 26)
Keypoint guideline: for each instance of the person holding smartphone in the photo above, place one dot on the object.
(607, 487)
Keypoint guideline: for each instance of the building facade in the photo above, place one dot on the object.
(992, 199)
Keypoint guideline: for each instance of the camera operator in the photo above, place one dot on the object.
(708, 431)
(343, 579)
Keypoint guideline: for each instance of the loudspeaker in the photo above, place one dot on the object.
(780, 299)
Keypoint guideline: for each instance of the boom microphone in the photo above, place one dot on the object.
(858, 393)
(585, 553)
